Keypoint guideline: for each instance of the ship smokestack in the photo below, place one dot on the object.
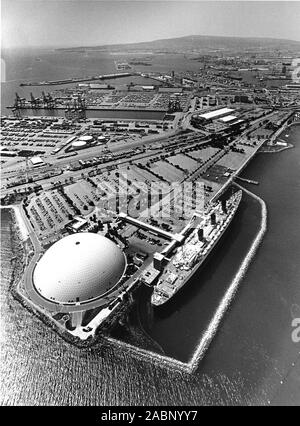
(200, 234)
(213, 220)
(224, 206)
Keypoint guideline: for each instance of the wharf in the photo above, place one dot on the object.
(78, 80)
(254, 182)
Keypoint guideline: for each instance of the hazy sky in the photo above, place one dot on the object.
(83, 22)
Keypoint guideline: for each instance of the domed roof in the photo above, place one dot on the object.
(79, 268)
(78, 143)
(86, 138)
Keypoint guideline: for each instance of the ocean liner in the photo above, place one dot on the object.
(196, 248)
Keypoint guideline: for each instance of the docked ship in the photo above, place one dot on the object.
(196, 248)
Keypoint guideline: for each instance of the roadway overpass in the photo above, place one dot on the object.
(157, 231)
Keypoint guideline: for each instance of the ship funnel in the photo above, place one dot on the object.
(159, 261)
(200, 234)
(224, 206)
(213, 219)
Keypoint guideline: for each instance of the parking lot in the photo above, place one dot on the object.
(35, 136)
(49, 213)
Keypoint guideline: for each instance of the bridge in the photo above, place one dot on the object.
(157, 231)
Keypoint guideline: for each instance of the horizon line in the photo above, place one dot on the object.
(61, 46)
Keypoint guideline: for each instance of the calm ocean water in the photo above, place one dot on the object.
(250, 355)
(53, 65)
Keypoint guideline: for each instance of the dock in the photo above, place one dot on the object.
(254, 182)
(79, 79)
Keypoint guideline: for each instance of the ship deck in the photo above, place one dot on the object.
(190, 257)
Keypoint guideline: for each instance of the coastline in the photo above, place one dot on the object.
(24, 234)
(273, 149)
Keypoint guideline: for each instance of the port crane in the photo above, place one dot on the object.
(19, 102)
(76, 109)
(81, 107)
(48, 100)
(34, 101)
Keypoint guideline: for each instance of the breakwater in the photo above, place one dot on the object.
(203, 344)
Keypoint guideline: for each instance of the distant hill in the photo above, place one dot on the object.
(197, 42)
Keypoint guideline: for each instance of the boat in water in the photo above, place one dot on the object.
(196, 248)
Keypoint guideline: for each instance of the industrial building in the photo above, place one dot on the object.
(37, 161)
(216, 114)
(228, 118)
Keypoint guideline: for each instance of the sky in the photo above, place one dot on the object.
(32, 23)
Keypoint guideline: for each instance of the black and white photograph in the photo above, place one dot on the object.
(150, 206)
